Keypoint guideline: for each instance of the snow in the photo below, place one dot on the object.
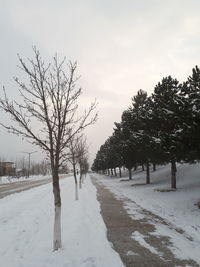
(10, 179)
(176, 208)
(26, 229)
(181, 247)
(131, 253)
(14, 179)
(141, 239)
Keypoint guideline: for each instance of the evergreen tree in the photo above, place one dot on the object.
(138, 119)
(126, 146)
(166, 121)
(190, 91)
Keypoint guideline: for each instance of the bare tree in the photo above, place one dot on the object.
(39, 168)
(73, 159)
(50, 99)
(77, 155)
(81, 152)
(22, 166)
(85, 165)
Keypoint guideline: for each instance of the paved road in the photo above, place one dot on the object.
(120, 227)
(16, 187)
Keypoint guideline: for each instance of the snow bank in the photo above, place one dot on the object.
(10, 179)
(26, 228)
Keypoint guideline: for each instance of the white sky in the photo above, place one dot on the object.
(120, 45)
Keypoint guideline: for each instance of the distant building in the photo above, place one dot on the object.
(7, 169)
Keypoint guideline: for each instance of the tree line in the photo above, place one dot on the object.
(157, 129)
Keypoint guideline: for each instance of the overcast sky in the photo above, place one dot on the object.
(120, 45)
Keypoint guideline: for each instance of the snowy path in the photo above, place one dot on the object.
(136, 238)
(26, 223)
(173, 215)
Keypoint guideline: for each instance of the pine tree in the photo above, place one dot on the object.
(138, 119)
(166, 121)
(126, 146)
(190, 91)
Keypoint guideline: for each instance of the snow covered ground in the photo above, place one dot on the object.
(177, 208)
(26, 228)
(10, 179)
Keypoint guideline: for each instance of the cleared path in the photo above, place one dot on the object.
(120, 227)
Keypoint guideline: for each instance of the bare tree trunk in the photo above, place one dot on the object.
(173, 174)
(142, 167)
(147, 173)
(130, 173)
(57, 244)
(76, 190)
(80, 183)
(154, 166)
(108, 172)
(111, 171)
(82, 177)
(80, 180)
(120, 173)
(57, 218)
(115, 172)
(76, 182)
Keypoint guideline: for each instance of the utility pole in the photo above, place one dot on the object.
(29, 160)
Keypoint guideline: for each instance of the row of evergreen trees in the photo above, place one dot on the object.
(157, 129)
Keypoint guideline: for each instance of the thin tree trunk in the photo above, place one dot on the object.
(82, 178)
(147, 173)
(80, 182)
(130, 174)
(76, 182)
(57, 218)
(142, 167)
(154, 167)
(111, 171)
(108, 172)
(115, 172)
(173, 174)
(120, 172)
(76, 191)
